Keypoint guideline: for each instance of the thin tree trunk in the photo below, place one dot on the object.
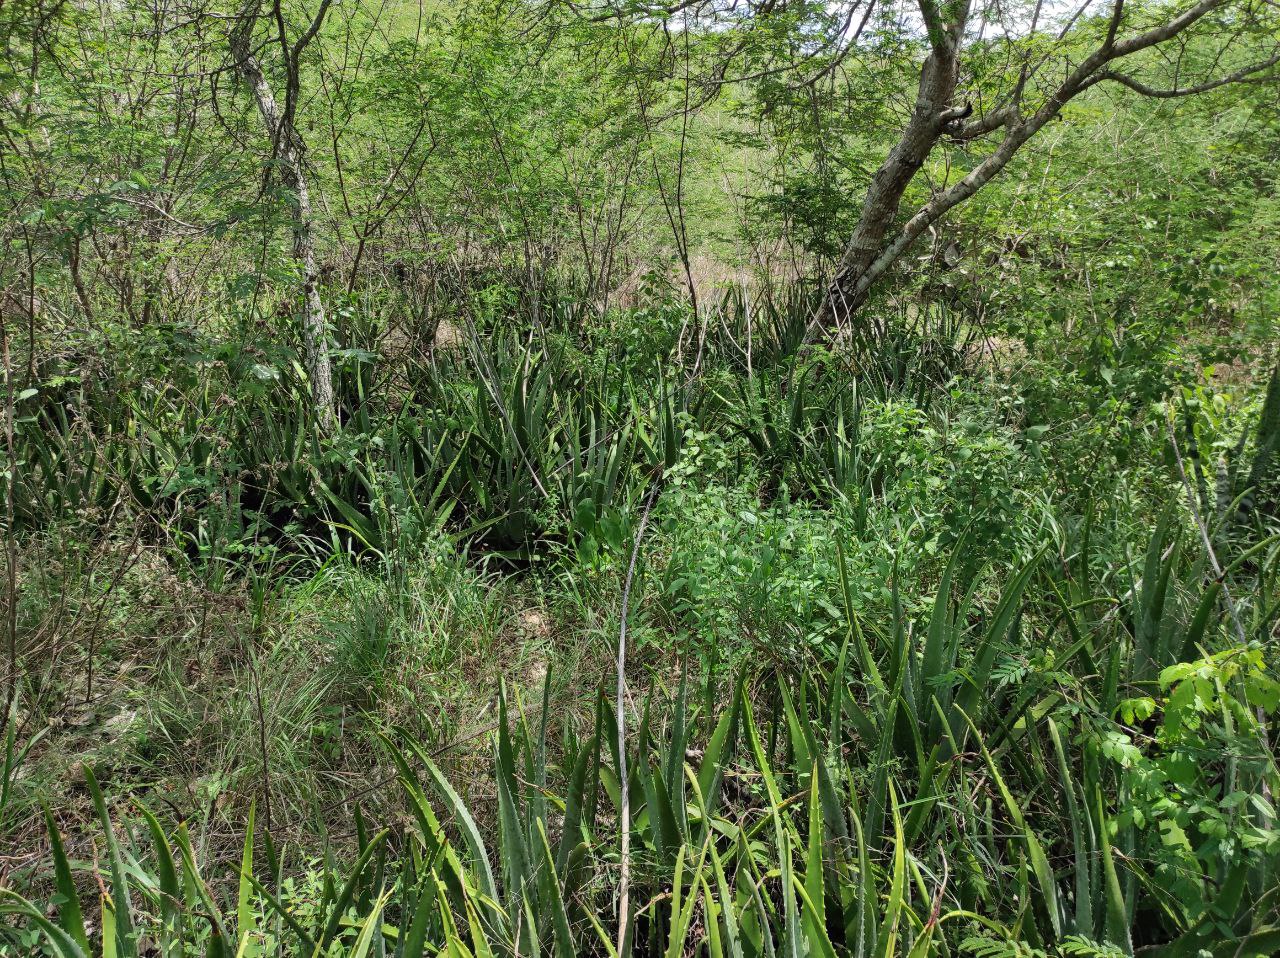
(289, 150)
(315, 342)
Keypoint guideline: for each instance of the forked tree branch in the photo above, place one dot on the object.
(872, 250)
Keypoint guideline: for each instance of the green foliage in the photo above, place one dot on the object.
(1208, 814)
(953, 633)
(804, 810)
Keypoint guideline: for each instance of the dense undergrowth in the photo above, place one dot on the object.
(920, 663)
(729, 479)
(1066, 772)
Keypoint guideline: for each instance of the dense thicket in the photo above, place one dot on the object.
(749, 479)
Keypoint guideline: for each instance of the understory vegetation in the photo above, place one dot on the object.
(518, 479)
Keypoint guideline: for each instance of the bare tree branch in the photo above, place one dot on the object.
(1248, 73)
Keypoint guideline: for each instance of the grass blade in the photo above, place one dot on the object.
(70, 917)
(122, 903)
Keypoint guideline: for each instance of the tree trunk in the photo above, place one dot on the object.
(876, 243)
(315, 343)
(289, 150)
(884, 195)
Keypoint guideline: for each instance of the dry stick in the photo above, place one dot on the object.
(11, 549)
(624, 813)
(262, 742)
(1207, 541)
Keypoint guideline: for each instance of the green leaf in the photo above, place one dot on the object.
(792, 947)
(338, 909)
(811, 891)
(245, 921)
(64, 945)
(717, 753)
(70, 918)
(467, 824)
(170, 891)
(219, 935)
(1117, 915)
(369, 928)
(121, 901)
(551, 895)
(897, 883)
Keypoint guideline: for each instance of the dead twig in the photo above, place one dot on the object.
(624, 812)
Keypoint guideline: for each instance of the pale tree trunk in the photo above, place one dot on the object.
(879, 239)
(315, 342)
(289, 151)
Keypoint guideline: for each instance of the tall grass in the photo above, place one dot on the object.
(983, 782)
(1037, 752)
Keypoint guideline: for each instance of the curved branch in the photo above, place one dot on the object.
(984, 125)
(312, 29)
(1248, 73)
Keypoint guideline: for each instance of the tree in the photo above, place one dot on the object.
(962, 101)
(988, 76)
(288, 153)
